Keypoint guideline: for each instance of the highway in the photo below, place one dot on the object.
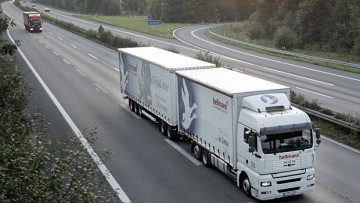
(333, 89)
(84, 78)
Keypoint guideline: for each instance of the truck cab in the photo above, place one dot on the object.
(32, 21)
(276, 153)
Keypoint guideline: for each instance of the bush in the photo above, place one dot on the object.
(284, 37)
(208, 57)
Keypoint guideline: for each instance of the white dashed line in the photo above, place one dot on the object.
(74, 46)
(94, 57)
(60, 38)
(54, 52)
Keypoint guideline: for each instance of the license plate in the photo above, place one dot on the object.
(290, 193)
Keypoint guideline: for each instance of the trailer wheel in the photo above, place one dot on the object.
(197, 152)
(140, 111)
(132, 105)
(136, 108)
(246, 185)
(170, 133)
(163, 127)
(205, 157)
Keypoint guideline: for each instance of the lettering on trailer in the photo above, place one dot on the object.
(221, 106)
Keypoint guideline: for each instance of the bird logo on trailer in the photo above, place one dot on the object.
(188, 115)
(269, 99)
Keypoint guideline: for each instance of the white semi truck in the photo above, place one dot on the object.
(242, 125)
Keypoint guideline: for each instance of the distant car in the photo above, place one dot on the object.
(47, 9)
(33, 5)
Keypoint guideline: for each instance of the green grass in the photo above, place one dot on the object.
(235, 32)
(138, 24)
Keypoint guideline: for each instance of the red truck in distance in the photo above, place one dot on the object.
(32, 21)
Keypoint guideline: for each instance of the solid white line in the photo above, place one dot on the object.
(341, 144)
(109, 177)
(314, 92)
(183, 152)
(272, 60)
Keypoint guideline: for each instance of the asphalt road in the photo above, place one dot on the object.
(83, 77)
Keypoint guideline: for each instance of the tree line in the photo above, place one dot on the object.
(327, 25)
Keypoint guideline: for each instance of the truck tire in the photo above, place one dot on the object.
(205, 158)
(163, 126)
(140, 111)
(246, 185)
(197, 151)
(170, 133)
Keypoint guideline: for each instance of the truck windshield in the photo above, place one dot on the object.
(36, 22)
(285, 142)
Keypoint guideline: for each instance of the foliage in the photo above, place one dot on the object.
(173, 49)
(336, 30)
(284, 37)
(33, 166)
(208, 57)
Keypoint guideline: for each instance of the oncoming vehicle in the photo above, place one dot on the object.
(32, 21)
(47, 9)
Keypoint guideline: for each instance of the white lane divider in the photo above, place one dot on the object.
(104, 170)
(314, 92)
(183, 152)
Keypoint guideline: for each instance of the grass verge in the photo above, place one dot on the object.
(138, 23)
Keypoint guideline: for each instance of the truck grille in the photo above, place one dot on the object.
(288, 181)
(289, 189)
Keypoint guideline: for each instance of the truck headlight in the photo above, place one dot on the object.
(265, 184)
(310, 177)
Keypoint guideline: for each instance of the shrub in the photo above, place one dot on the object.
(285, 37)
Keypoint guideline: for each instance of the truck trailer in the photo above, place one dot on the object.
(32, 21)
(244, 126)
(148, 79)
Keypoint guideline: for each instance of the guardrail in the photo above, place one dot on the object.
(331, 119)
(353, 65)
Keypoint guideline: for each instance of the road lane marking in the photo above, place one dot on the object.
(60, 38)
(54, 52)
(272, 60)
(74, 46)
(314, 92)
(94, 57)
(183, 152)
(104, 170)
(66, 61)
(82, 73)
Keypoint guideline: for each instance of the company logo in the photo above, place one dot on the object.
(133, 68)
(220, 104)
(269, 99)
(290, 156)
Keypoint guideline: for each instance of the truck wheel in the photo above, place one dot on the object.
(170, 133)
(205, 157)
(246, 185)
(197, 152)
(163, 127)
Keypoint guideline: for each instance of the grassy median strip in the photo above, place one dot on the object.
(137, 23)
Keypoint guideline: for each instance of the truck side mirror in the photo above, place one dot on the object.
(251, 144)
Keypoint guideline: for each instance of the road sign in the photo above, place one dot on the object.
(154, 22)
